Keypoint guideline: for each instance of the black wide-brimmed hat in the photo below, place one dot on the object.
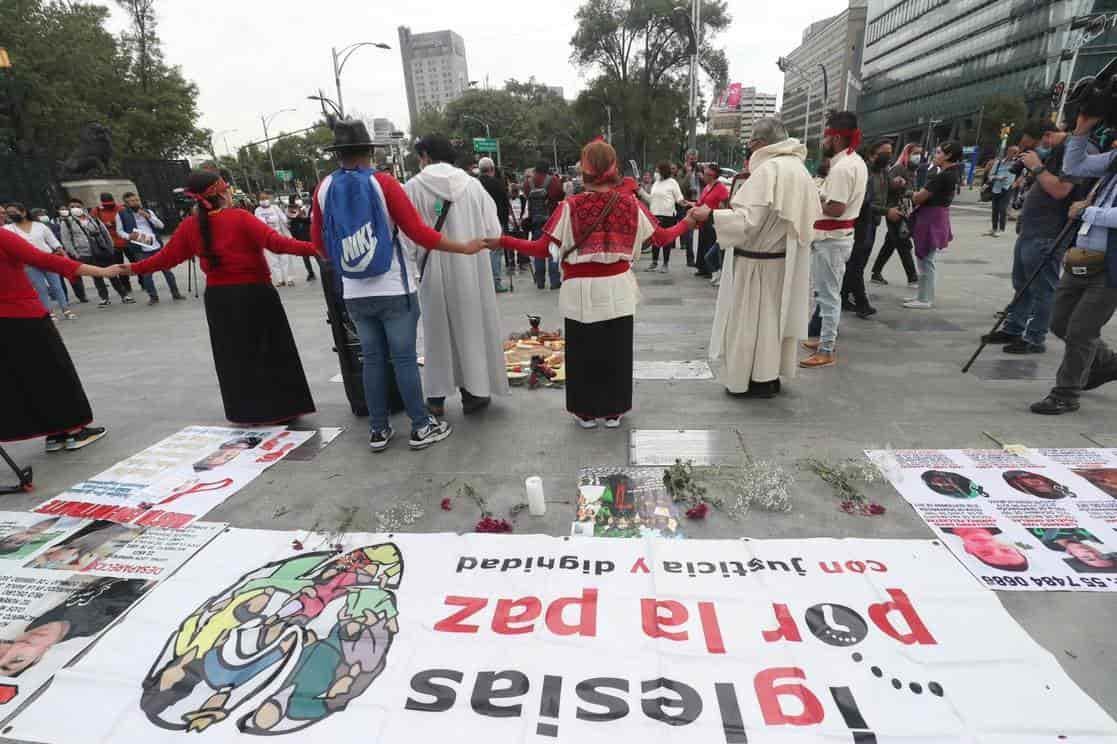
(350, 134)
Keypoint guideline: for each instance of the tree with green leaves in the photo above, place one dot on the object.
(641, 50)
(123, 83)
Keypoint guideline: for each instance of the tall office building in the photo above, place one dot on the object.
(733, 113)
(836, 45)
(930, 65)
(434, 69)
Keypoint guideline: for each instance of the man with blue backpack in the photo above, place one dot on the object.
(355, 218)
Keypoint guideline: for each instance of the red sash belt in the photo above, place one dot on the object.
(592, 269)
(834, 224)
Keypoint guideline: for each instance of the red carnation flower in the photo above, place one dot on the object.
(297, 544)
(489, 524)
(698, 511)
(876, 509)
(446, 504)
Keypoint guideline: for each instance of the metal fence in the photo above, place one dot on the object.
(30, 181)
(156, 181)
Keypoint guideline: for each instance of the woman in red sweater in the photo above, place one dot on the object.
(258, 366)
(40, 393)
(597, 235)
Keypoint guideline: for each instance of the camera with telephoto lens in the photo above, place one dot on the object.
(1094, 95)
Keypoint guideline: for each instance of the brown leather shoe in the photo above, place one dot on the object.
(819, 359)
(811, 344)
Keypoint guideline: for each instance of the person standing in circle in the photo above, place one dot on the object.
(596, 236)
(258, 366)
(40, 392)
(666, 200)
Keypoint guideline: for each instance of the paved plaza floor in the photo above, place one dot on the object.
(149, 372)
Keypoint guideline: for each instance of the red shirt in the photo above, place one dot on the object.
(713, 195)
(239, 240)
(400, 209)
(108, 218)
(18, 299)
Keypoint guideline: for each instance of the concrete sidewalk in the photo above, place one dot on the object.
(149, 372)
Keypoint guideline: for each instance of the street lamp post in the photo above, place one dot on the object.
(267, 138)
(488, 134)
(340, 58)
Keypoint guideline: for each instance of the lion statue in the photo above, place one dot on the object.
(92, 155)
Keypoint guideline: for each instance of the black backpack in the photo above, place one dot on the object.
(539, 206)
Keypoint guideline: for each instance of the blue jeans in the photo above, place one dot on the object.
(387, 327)
(147, 281)
(1031, 317)
(713, 258)
(548, 264)
(48, 285)
(495, 260)
(828, 268)
(927, 278)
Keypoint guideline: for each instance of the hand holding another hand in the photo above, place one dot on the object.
(699, 214)
(474, 246)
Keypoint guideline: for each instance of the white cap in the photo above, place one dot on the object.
(486, 164)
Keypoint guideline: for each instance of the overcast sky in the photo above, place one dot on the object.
(252, 57)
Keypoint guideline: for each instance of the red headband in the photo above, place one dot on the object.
(610, 174)
(217, 187)
(853, 135)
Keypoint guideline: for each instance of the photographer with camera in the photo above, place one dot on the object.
(1086, 297)
(1042, 217)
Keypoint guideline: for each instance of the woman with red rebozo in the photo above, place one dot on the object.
(258, 367)
(597, 236)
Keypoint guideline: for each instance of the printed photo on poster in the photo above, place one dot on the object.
(625, 502)
(23, 534)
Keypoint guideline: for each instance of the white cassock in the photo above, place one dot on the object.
(462, 340)
(763, 303)
(279, 263)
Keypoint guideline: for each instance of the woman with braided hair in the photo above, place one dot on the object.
(258, 366)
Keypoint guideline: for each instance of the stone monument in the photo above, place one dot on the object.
(87, 173)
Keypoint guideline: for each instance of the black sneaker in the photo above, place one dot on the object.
(378, 442)
(473, 403)
(129, 300)
(878, 279)
(1024, 347)
(56, 442)
(311, 277)
(1098, 378)
(104, 303)
(88, 435)
(178, 297)
(153, 301)
(1000, 337)
(1052, 406)
(434, 431)
(865, 312)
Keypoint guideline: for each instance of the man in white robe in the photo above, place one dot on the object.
(272, 215)
(764, 297)
(462, 340)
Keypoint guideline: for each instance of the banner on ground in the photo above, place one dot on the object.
(63, 581)
(434, 638)
(176, 481)
(1035, 520)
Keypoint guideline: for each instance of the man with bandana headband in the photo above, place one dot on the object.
(842, 194)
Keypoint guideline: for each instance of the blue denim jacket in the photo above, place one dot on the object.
(1078, 161)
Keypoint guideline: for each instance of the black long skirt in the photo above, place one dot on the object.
(599, 367)
(258, 366)
(40, 392)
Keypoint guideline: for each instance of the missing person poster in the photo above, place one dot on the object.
(1035, 520)
(624, 502)
(78, 578)
(178, 480)
(480, 638)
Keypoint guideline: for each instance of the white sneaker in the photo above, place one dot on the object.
(663, 269)
(715, 278)
(586, 423)
(613, 423)
(913, 285)
(918, 305)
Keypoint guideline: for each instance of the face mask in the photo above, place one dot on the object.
(1043, 152)
(45, 220)
(63, 212)
(265, 203)
(298, 202)
(915, 159)
(881, 162)
(77, 212)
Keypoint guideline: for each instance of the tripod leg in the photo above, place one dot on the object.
(24, 475)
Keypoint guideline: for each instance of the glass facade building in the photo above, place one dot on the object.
(929, 65)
